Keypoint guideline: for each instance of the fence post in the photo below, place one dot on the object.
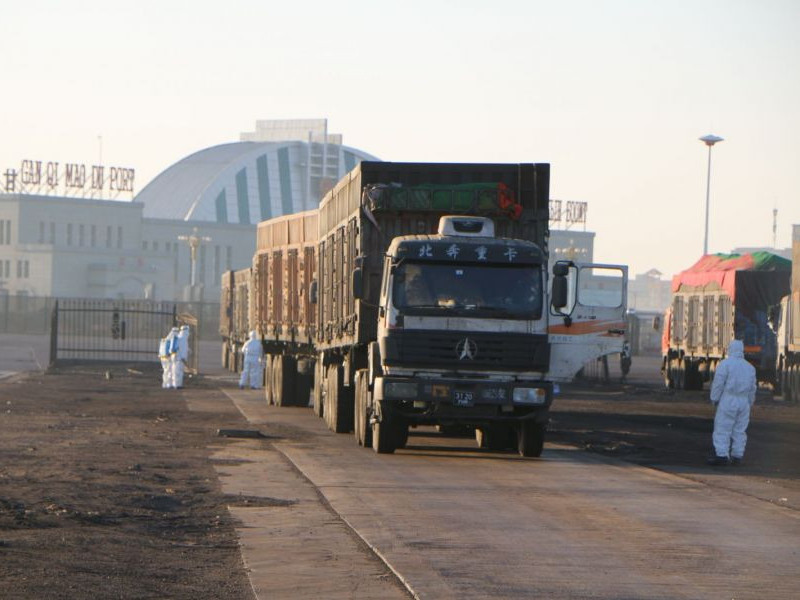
(54, 335)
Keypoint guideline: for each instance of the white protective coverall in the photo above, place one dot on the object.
(253, 355)
(163, 356)
(172, 353)
(182, 356)
(733, 392)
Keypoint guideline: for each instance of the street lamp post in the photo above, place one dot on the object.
(194, 240)
(709, 140)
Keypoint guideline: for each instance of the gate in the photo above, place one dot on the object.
(109, 330)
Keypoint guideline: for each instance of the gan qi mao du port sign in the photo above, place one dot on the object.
(69, 179)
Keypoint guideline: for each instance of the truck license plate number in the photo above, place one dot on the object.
(462, 398)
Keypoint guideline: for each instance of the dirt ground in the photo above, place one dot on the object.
(107, 489)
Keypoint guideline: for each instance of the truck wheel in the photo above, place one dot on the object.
(666, 370)
(401, 434)
(284, 369)
(304, 382)
(319, 388)
(494, 437)
(530, 438)
(383, 437)
(361, 426)
(680, 375)
(268, 393)
(338, 402)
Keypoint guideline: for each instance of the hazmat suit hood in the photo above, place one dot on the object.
(253, 334)
(736, 349)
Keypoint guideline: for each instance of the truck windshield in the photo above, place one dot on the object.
(494, 289)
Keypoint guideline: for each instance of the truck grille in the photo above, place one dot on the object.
(467, 350)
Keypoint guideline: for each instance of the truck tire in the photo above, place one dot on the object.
(401, 434)
(530, 438)
(304, 382)
(268, 394)
(284, 369)
(383, 436)
(361, 426)
(494, 438)
(666, 370)
(339, 401)
(693, 378)
(319, 388)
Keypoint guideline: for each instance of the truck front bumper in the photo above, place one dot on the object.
(423, 401)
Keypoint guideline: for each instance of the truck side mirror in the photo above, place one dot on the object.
(559, 299)
(357, 284)
(312, 292)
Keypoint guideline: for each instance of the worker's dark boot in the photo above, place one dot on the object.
(736, 460)
(718, 461)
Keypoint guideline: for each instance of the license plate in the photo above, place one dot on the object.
(463, 398)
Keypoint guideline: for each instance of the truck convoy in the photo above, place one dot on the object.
(788, 327)
(720, 298)
(418, 294)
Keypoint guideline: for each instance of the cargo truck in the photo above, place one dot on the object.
(235, 315)
(720, 298)
(418, 294)
(788, 329)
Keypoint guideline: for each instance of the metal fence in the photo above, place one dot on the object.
(31, 315)
(109, 330)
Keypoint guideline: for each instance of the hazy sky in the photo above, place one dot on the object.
(614, 94)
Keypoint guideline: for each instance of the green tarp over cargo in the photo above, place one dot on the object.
(467, 198)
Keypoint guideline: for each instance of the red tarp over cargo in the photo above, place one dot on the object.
(722, 269)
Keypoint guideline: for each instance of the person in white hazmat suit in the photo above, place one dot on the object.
(163, 356)
(171, 348)
(253, 355)
(733, 393)
(179, 364)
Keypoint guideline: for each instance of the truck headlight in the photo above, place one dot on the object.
(530, 395)
(399, 389)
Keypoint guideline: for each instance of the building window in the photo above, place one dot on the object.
(167, 247)
(144, 245)
(108, 236)
(2, 231)
(26, 269)
(8, 232)
(228, 257)
(8, 269)
(155, 246)
(119, 237)
(19, 269)
(93, 235)
(41, 232)
(69, 234)
(81, 234)
(52, 232)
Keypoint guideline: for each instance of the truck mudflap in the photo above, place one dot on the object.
(434, 402)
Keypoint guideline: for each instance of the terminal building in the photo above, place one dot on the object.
(60, 245)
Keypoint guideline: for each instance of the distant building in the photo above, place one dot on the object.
(649, 292)
(78, 247)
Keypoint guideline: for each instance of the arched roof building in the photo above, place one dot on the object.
(247, 182)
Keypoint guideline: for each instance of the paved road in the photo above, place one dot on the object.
(455, 522)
